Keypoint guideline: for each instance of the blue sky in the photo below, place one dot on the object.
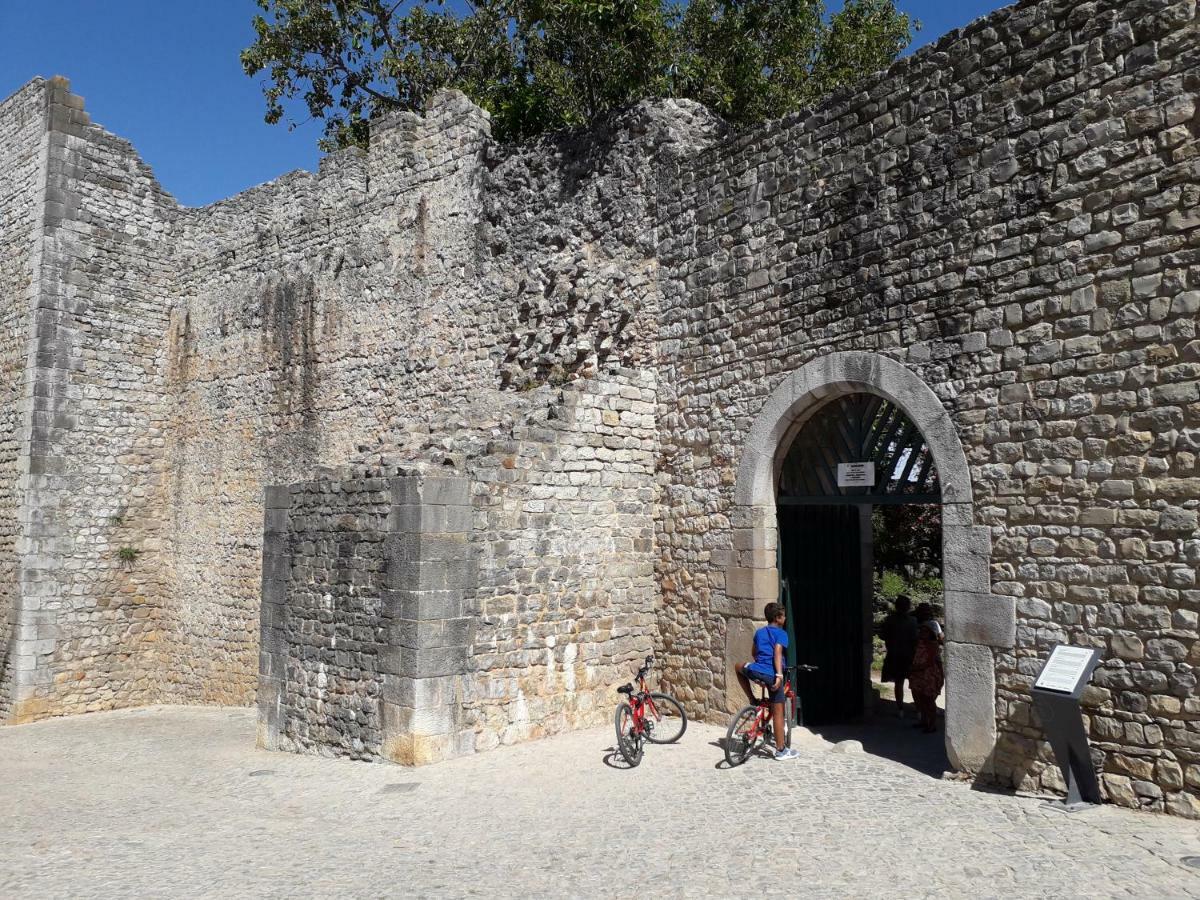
(165, 75)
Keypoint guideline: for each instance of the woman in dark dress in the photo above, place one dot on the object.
(926, 677)
(899, 633)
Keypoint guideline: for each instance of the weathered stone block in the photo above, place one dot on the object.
(445, 491)
(419, 693)
(429, 633)
(754, 584)
(417, 604)
(418, 574)
(276, 567)
(989, 619)
(1127, 646)
(277, 497)
(406, 517)
(970, 706)
(429, 662)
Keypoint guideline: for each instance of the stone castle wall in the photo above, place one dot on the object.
(22, 126)
(325, 315)
(255, 331)
(1012, 215)
(566, 593)
(326, 617)
(88, 630)
(586, 328)
(310, 321)
(545, 561)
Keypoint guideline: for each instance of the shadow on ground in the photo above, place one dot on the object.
(884, 733)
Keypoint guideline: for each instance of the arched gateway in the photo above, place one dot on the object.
(977, 621)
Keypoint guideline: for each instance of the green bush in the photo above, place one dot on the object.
(877, 654)
(890, 584)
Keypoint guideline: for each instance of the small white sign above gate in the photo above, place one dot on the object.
(856, 474)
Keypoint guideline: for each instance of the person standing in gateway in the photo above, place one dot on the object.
(770, 643)
(899, 633)
(926, 676)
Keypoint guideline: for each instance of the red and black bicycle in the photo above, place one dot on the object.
(648, 716)
(751, 727)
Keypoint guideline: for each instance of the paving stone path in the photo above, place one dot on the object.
(177, 802)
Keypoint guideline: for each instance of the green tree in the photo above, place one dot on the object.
(540, 65)
(908, 540)
(759, 59)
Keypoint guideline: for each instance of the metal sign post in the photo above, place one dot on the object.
(1056, 693)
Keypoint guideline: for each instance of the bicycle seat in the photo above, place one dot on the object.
(625, 689)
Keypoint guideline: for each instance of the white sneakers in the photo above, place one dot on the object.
(787, 753)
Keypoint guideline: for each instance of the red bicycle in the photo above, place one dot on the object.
(648, 716)
(751, 727)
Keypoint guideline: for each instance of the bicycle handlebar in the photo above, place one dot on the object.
(645, 669)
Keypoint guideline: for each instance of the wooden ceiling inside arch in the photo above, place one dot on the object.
(857, 429)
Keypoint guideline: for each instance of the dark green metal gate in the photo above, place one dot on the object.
(821, 568)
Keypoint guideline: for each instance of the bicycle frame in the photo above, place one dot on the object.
(752, 723)
(640, 716)
(763, 716)
(639, 703)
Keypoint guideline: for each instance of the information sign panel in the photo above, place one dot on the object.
(1065, 668)
(1055, 695)
(859, 474)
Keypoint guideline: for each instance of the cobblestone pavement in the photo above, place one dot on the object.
(177, 802)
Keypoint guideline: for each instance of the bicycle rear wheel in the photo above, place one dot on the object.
(743, 736)
(668, 719)
(628, 742)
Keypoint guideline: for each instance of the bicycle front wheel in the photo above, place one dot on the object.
(667, 718)
(743, 736)
(628, 742)
(789, 720)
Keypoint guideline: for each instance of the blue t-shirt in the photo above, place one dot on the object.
(765, 640)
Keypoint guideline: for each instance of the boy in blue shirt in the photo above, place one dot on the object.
(770, 642)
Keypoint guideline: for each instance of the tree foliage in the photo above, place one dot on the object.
(907, 554)
(908, 539)
(540, 65)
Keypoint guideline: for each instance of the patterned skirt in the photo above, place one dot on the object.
(926, 676)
